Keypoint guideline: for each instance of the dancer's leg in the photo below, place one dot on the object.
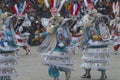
(68, 74)
(103, 74)
(87, 74)
(26, 49)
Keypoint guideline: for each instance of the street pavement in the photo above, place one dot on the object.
(30, 67)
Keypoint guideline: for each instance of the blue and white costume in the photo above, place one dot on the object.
(8, 53)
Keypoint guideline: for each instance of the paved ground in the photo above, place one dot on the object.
(31, 68)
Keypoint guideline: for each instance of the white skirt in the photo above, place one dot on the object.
(95, 58)
(8, 63)
(58, 59)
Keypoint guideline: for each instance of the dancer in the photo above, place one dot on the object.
(55, 48)
(115, 24)
(97, 53)
(8, 50)
(22, 25)
(75, 31)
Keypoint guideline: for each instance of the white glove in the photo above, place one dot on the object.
(61, 44)
(40, 34)
(5, 44)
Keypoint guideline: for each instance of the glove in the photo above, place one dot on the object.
(61, 44)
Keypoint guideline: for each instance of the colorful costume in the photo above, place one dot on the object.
(97, 53)
(22, 23)
(55, 48)
(115, 24)
(116, 34)
(75, 29)
(8, 53)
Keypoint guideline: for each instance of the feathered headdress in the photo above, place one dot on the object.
(15, 9)
(74, 9)
(89, 4)
(116, 8)
(54, 9)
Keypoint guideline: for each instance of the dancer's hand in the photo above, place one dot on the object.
(40, 34)
(61, 44)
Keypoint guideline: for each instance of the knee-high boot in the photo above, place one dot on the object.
(56, 78)
(103, 75)
(68, 74)
(87, 74)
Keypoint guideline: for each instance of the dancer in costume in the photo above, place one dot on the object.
(8, 50)
(55, 48)
(97, 53)
(22, 23)
(76, 34)
(76, 29)
(115, 23)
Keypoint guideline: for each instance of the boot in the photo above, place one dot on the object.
(87, 74)
(68, 74)
(56, 78)
(103, 75)
(73, 51)
(27, 52)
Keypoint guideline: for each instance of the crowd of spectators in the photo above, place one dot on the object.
(38, 10)
(35, 12)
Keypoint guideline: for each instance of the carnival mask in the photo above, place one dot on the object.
(54, 23)
(87, 20)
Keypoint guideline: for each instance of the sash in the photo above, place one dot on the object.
(48, 44)
(104, 31)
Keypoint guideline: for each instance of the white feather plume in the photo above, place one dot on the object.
(61, 4)
(54, 3)
(46, 3)
(113, 6)
(24, 7)
(117, 5)
(16, 8)
(86, 3)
